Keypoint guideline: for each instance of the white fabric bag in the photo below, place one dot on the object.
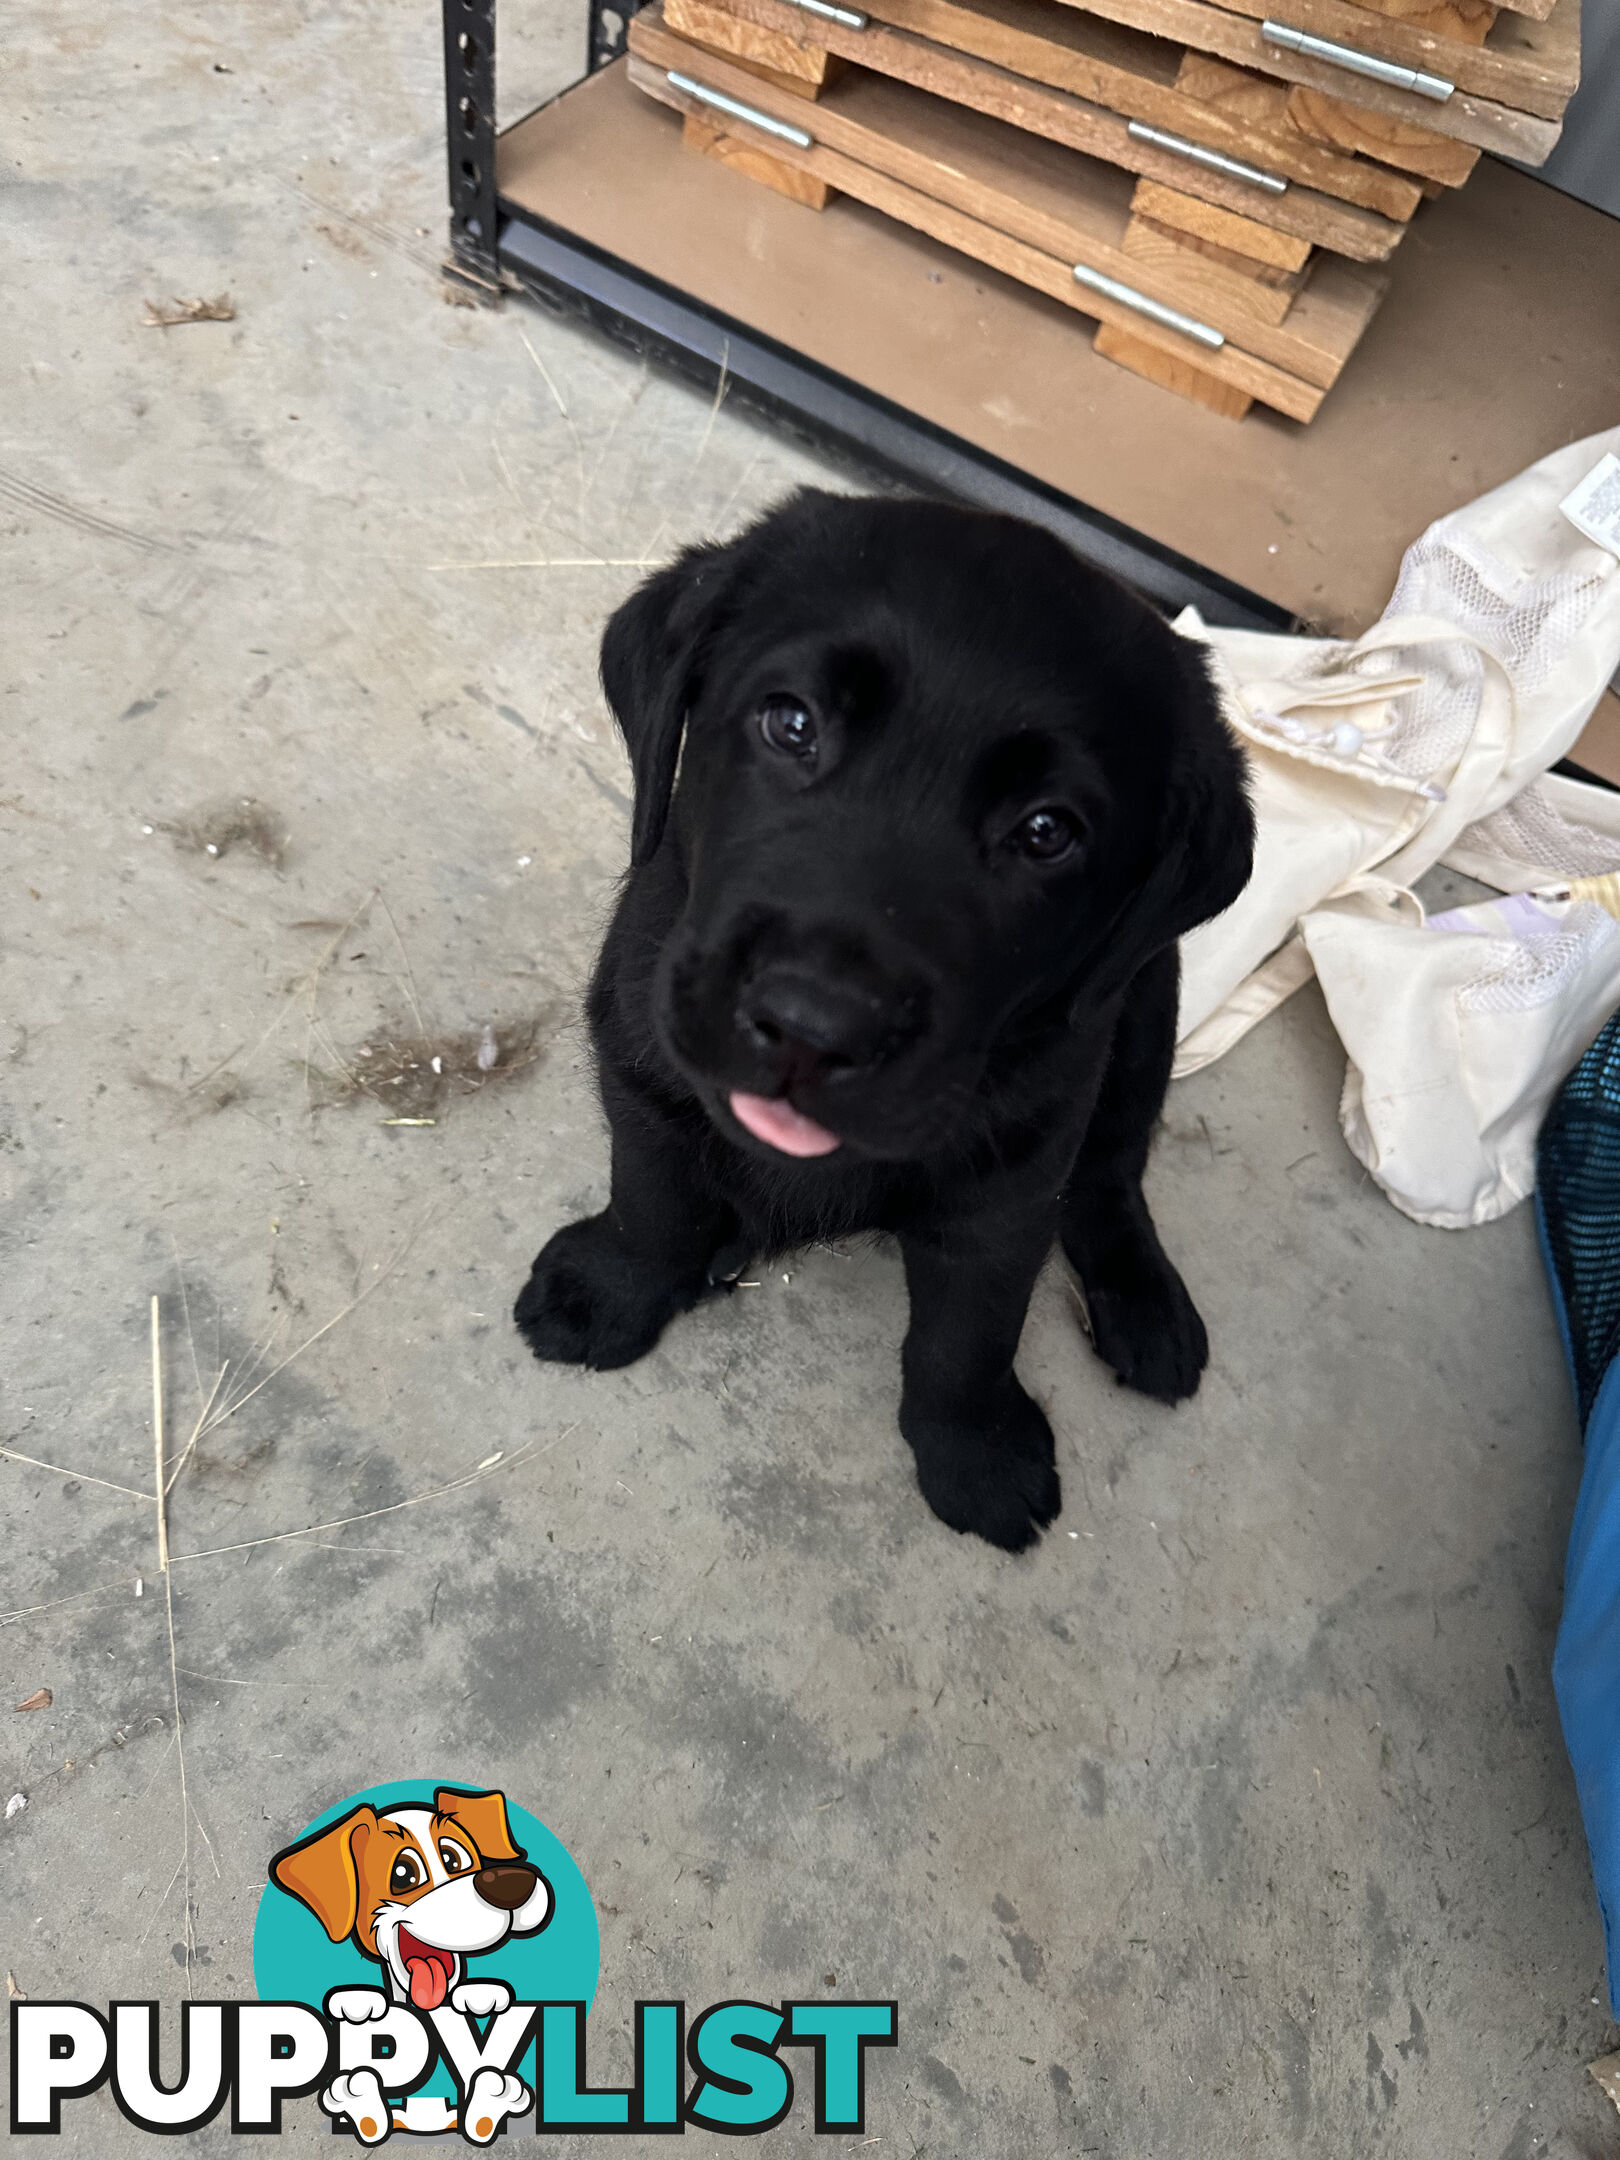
(1372, 760)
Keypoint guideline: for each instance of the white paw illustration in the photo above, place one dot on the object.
(491, 2098)
(358, 2097)
(357, 2006)
(481, 1998)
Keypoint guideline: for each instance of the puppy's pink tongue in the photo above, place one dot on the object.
(779, 1125)
(429, 1983)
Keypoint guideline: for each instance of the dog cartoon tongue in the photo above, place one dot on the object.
(779, 1125)
(428, 1970)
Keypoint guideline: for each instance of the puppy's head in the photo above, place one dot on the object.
(419, 1889)
(941, 788)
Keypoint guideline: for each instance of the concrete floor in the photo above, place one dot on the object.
(1235, 1820)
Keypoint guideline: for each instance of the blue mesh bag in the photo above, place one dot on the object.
(1578, 1210)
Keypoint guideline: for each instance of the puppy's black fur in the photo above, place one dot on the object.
(946, 800)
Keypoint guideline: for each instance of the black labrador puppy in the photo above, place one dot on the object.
(897, 952)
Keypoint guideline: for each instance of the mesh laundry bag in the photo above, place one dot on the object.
(1578, 1208)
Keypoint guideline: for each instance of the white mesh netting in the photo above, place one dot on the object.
(1531, 830)
(1527, 972)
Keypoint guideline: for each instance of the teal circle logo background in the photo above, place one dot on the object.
(293, 1960)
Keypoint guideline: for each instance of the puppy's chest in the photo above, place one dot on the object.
(778, 1210)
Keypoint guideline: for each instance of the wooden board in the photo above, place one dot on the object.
(745, 154)
(784, 57)
(1080, 125)
(1213, 280)
(1436, 406)
(1136, 75)
(1129, 351)
(1468, 20)
(1534, 67)
(1068, 207)
(1438, 158)
(1242, 235)
(1484, 122)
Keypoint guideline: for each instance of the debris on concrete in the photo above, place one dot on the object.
(41, 1699)
(240, 822)
(13, 1992)
(413, 1075)
(16, 1804)
(165, 314)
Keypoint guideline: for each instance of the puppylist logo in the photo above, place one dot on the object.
(426, 1957)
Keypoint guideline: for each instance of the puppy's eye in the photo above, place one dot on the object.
(786, 725)
(1046, 835)
(406, 1874)
(455, 1860)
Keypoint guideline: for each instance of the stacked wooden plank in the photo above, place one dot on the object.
(1218, 190)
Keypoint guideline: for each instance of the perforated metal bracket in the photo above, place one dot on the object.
(469, 126)
(608, 23)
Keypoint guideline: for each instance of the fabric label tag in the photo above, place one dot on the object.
(1593, 508)
(1518, 915)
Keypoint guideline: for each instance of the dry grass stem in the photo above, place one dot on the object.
(167, 314)
(160, 1490)
(347, 1522)
(79, 1477)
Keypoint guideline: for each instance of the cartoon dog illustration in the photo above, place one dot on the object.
(420, 1890)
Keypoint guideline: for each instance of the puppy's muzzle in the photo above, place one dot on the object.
(803, 1025)
(507, 1885)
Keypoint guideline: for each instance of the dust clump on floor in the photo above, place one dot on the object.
(415, 1076)
(240, 822)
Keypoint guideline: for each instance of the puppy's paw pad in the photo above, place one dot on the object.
(481, 1998)
(358, 2098)
(492, 2098)
(1149, 1330)
(997, 1480)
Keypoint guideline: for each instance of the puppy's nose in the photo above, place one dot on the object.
(810, 1024)
(505, 1886)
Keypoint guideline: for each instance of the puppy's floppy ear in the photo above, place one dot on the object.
(483, 1816)
(652, 653)
(1204, 848)
(322, 1871)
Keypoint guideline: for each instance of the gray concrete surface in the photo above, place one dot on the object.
(1234, 1821)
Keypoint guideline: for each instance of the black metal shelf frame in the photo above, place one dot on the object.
(497, 246)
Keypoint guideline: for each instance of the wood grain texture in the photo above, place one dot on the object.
(1213, 280)
(722, 31)
(1435, 158)
(1243, 235)
(1532, 66)
(1077, 123)
(1467, 21)
(710, 138)
(1170, 372)
(1135, 75)
(1239, 365)
(1484, 122)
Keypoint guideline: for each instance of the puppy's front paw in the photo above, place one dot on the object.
(997, 1478)
(358, 2098)
(1144, 1324)
(357, 2005)
(481, 1998)
(492, 2098)
(590, 1302)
